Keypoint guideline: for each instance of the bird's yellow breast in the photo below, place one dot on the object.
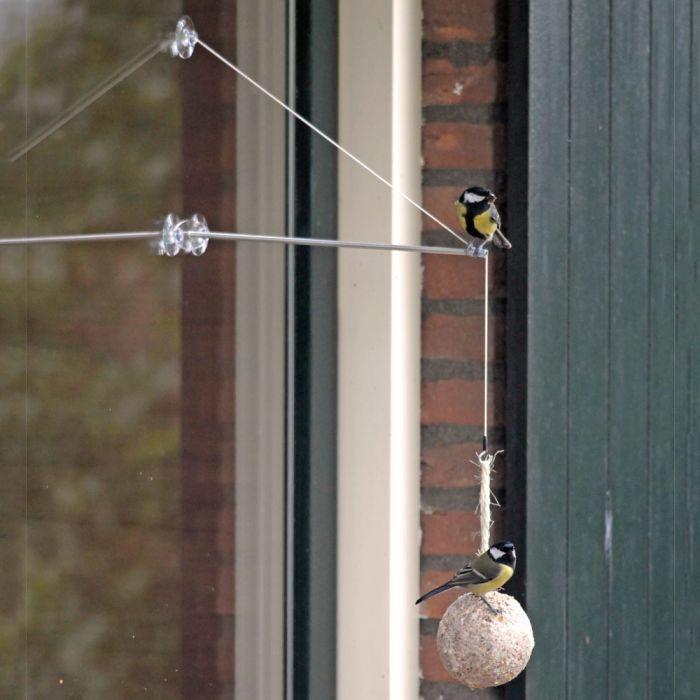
(484, 224)
(495, 583)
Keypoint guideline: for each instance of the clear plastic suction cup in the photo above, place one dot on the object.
(183, 236)
(185, 38)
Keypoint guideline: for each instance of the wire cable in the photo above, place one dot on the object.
(160, 45)
(330, 140)
(254, 237)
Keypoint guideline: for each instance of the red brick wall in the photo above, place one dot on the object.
(464, 66)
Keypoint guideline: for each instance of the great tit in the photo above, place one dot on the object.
(484, 573)
(479, 217)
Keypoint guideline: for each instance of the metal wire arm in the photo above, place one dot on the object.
(191, 236)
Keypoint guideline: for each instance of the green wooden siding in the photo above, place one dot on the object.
(609, 439)
(588, 302)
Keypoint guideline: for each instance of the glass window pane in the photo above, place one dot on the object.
(141, 401)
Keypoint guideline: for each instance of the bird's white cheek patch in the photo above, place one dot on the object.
(496, 553)
(473, 198)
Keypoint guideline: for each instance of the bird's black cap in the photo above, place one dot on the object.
(502, 552)
(473, 194)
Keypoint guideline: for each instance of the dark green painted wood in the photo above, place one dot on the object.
(686, 652)
(693, 464)
(629, 362)
(588, 352)
(546, 357)
(661, 348)
(612, 376)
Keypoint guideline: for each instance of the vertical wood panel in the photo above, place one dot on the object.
(629, 331)
(612, 375)
(547, 325)
(588, 351)
(685, 656)
(661, 348)
(694, 351)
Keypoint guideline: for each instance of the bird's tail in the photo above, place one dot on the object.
(435, 591)
(500, 240)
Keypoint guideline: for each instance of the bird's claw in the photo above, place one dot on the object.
(476, 251)
(495, 611)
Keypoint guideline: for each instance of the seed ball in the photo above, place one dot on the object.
(482, 649)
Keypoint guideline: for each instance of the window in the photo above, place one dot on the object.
(206, 457)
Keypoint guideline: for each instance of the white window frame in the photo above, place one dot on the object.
(379, 353)
(260, 343)
(379, 358)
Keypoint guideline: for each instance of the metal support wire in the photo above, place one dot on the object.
(325, 136)
(182, 43)
(334, 243)
(253, 237)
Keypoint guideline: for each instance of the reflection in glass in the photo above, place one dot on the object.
(90, 597)
(118, 504)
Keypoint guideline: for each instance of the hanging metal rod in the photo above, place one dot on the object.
(285, 240)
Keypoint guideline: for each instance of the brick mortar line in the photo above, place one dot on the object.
(465, 53)
(437, 370)
(462, 307)
(454, 499)
(428, 626)
(443, 690)
(457, 177)
(442, 562)
(447, 434)
(489, 113)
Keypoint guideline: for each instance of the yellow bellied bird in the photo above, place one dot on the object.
(487, 572)
(479, 217)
